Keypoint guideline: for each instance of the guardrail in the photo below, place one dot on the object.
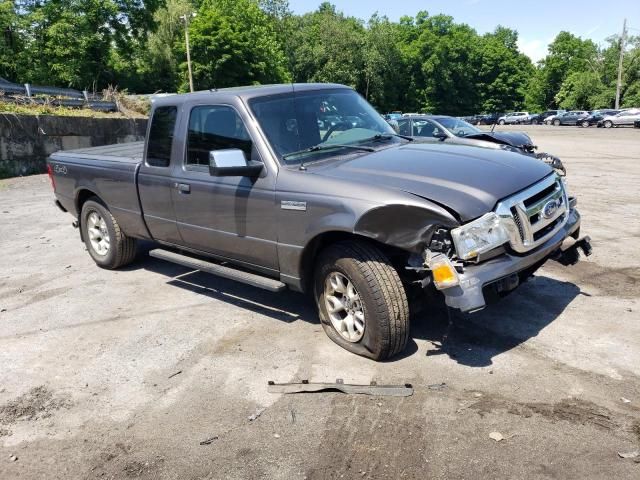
(66, 97)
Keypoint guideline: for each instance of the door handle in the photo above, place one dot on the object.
(183, 187)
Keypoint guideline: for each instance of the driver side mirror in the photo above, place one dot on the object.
(232, 163)
(440, 135)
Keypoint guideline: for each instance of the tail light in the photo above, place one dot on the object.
(51, 177)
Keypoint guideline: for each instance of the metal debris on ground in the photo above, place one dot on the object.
(176, 373)
(254, 416)
(634, 454)
(292, 416)
(497, 436)
(373, 388)
(209, 441)
(625, 400)
(437, 386)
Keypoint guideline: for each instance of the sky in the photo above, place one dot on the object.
(537, 22)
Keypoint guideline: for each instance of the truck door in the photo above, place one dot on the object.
(155, 183)
(231, 217)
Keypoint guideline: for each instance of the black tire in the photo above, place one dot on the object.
(122, 249)
(501, 122)
(383, 298)
(585, 124)
(607, 124)
(556, 123)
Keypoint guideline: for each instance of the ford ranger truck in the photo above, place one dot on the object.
(306, 187)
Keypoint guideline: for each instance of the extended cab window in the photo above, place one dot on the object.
(163, 124)
(215, 128)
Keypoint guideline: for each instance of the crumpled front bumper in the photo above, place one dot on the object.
(469, 296)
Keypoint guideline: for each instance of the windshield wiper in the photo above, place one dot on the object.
(386, 136)
(322, 146)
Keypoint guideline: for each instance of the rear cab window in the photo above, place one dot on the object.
(161, 133)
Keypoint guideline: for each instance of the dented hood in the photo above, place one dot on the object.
(468, 180)
(516, 139)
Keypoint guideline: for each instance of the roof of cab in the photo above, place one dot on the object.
(247, 92)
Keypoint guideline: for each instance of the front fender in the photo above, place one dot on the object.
(408, 227)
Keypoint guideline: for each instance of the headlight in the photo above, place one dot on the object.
(481, 235)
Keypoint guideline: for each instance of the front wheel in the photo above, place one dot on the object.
(501, 122)
(608, 124)
(585, 124)
(556, 123)
(361, 301)
(107, 244)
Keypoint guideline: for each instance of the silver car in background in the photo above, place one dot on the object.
(624, 118)
(514, 118)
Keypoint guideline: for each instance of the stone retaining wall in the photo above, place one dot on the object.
(27, 140)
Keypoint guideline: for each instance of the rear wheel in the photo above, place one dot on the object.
(361, 301)
(107, 244)
(501, 122)
(585, 124)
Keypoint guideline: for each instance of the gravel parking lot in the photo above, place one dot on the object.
(123, 374)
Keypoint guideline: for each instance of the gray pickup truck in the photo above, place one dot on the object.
(306, 187)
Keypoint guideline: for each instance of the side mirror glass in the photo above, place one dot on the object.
(232, 163)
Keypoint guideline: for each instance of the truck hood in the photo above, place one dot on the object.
(468, 180)
(515, 139)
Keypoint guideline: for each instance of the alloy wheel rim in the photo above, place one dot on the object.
(98, 234)
(344, 307)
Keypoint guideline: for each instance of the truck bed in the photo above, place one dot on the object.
(120, 152)
(108, 172)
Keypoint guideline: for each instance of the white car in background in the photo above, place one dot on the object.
(626, 117)
(514, 118)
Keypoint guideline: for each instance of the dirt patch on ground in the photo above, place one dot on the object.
(375, 454)
(616, 282)
(636, 430)
(575, 411)
(37, 403)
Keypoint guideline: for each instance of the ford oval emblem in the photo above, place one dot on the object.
(550, 209)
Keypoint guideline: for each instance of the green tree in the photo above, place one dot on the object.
(503, 72)
(68, 42)
(327, 46)
(384, 69)
(71, 42)
(10, 40)
(443, 59)
(157, 64)
(567, 54)
(233, 42)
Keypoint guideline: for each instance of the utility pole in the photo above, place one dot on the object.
(186, 41)
(619, 83)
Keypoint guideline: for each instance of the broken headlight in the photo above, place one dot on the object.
(479, 236)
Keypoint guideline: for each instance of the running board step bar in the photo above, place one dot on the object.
(253, 279)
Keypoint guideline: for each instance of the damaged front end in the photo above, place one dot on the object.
(491, 256)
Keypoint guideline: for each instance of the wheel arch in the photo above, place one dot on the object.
(397, 230)
(82, 195)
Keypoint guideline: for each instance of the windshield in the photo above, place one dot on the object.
(458, 127)
(297, 123)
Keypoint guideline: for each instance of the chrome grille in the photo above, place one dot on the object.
(535, 214)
